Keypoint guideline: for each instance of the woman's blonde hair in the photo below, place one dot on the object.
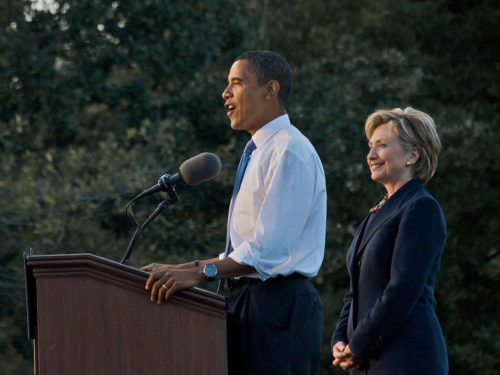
(415, 130)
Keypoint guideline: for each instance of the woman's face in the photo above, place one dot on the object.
(387, 159)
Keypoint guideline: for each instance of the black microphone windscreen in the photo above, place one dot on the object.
(200, 168)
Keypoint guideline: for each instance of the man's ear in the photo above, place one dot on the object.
(272, 90)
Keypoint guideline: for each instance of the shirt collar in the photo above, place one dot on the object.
(267, 131)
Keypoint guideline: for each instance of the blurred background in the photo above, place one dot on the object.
(98, 98)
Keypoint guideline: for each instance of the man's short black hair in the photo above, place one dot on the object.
(269, 66)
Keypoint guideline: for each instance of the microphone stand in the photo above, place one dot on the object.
(172, 198)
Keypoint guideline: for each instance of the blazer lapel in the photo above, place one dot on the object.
(358, 237)
(387, 210)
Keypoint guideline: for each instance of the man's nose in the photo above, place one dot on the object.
(226, 94)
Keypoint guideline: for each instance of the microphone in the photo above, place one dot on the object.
(200, 168)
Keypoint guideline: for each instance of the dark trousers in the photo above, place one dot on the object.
(274, 327)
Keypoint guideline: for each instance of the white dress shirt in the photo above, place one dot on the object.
(279, 217)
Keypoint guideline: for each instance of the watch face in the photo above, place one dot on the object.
(209, 271)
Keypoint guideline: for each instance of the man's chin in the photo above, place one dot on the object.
(235, 126)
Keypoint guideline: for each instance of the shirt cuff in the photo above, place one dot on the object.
(244, 255)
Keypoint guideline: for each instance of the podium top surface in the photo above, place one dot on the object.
(134, 279)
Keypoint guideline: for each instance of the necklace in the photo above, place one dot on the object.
(379, 205)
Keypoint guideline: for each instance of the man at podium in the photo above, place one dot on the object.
(276, 231)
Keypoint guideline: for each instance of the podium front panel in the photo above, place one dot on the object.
(94, 317)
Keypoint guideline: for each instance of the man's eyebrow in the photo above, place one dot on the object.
(235, 79)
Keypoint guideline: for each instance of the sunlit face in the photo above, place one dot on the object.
(244, 98)
(387, 159)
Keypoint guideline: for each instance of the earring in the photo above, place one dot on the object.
(408, 163)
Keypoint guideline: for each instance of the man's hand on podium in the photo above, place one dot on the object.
(165, 280)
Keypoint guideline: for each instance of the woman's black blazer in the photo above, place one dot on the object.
(389, 318)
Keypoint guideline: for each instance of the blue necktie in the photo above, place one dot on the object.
(245, 158)
(249, 148)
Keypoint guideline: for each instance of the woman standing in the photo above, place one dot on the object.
(388, 325)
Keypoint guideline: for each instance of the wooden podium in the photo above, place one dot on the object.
(91, 316)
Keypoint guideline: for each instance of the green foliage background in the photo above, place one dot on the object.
(98, 98)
